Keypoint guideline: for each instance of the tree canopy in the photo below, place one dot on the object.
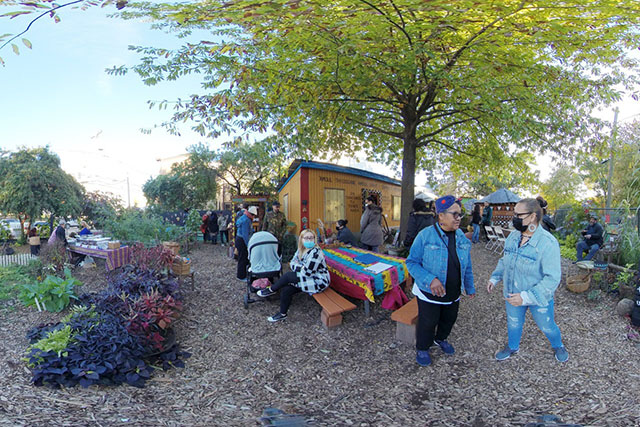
(425, 84)
(189, 184)
(251, 168)
(33, 184)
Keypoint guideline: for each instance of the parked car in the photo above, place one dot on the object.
(13, 225)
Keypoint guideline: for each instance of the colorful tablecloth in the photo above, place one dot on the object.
(114, 257)
(349, 277)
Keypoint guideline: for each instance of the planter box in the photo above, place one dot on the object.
(113, 245)
(181, 269)
(172, 246)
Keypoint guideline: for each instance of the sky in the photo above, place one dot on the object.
(58, 94)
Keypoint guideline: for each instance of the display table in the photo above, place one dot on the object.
(349, 277)
(114, 257)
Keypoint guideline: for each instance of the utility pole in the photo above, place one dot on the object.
(614, 131)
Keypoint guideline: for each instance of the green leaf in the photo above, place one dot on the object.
(15, 48)
(27, 43)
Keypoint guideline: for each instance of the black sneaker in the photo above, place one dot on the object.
(266, 292)
(277, 317)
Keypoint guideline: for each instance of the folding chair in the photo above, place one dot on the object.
(492, 238)
(500, 239)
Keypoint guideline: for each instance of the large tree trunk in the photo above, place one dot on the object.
(408, 183)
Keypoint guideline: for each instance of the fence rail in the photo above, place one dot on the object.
(19, 259)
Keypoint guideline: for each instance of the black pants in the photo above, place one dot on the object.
(287, 289)
(431, 317)
(35, 249)
(243, 258)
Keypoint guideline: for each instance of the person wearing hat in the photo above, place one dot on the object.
(440, 263)
(244, 231)
(275, 222)
(593, 240)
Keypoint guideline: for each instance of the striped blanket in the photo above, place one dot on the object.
(344, 268)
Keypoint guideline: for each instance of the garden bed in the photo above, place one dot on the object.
(356, 374)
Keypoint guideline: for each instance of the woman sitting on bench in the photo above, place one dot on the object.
(308, 274)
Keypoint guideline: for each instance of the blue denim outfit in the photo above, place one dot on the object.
(476, 233)
(428, 259)
(245, 230)
(533, 271)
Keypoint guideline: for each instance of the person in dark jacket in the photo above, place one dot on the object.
(371, 235)
(592, 240)
(344, 234)
(212, 227)
(476, 219)
(547, 223)
(420, 218)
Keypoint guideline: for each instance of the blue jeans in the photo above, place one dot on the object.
(476, 233)
(582, 247)
(543, 317)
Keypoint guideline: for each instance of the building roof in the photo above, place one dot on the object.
(501, 196)
(298, 164)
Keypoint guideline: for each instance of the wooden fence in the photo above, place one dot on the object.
(20, 259)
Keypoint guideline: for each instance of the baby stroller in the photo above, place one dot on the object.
(264, 262)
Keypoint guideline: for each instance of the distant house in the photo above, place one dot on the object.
(502, 201)
(316, 190)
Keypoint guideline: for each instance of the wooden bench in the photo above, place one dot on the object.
(333, 305)
(406, 318)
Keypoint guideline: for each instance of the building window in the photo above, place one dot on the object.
(285, 205)
(395, 208)
(333, 205)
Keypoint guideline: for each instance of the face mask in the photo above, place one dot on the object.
(308, 244)
(518, 225)
(338, 228)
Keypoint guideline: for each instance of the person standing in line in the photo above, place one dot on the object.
(530, 272)
(420, 218)
(371, 235)
(244, 226)
(212, 227)
(222, 228)
(204, 227)
(440, 263)
(275, 222)
(476, 219)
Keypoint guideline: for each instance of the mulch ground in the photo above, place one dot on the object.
(356, 374)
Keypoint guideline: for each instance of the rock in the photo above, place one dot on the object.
(624, 307)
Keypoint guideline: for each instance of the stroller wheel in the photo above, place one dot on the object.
(246, 301)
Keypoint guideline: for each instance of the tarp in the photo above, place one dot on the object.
(501, 196)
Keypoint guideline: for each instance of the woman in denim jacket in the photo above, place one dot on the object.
(440, 263)
(530, 273)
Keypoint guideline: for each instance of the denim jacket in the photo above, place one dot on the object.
(533, 270)
(429, 256)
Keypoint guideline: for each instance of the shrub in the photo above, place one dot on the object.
(52, 294)
(54, 258)
(137, 226)
(10, 278)
(156, 258)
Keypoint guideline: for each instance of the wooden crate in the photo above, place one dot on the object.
(113, 245)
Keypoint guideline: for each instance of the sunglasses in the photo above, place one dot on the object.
(456, 215)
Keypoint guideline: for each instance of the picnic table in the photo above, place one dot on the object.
(114, 257)
(349, 277)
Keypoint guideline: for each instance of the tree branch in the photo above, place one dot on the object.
(376, 129)
(38, 17)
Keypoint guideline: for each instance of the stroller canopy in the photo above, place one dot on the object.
(263, 252)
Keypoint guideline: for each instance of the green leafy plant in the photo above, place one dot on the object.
(9, 278)
(56, 340)
(52, 294)
(137, 226)
(623, 278)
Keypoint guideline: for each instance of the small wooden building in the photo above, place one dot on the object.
(502, 201)
(316, 190)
